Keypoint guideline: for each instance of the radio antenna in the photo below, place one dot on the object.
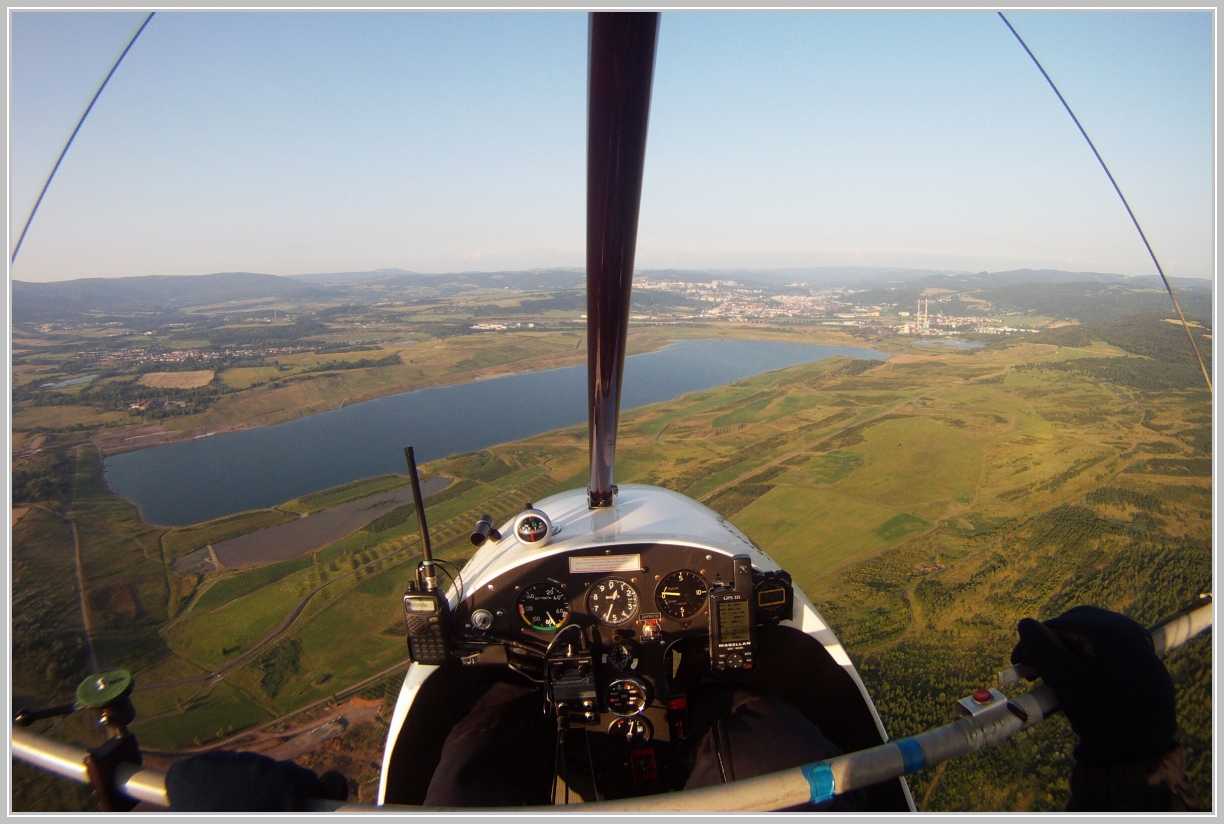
(427, 574)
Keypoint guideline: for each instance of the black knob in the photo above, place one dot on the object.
(26, 717)
(484, 531)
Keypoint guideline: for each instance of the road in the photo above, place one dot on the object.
(81, 599)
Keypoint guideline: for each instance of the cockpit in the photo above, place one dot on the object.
(621, 618)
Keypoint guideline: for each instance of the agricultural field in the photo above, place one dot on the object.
(925, 504)
(177, 380)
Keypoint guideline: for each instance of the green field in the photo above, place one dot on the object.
(925, 504)
(237, 584)
(215, 715)
(310, 504)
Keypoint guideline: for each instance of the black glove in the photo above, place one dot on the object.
(226, 781)
(1113, 689)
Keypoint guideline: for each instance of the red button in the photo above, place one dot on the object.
(677, 703)
(982, 696)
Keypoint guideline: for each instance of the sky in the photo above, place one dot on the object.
(301, 142)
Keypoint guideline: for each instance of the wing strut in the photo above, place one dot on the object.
(622, 56)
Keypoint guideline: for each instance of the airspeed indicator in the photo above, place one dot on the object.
(544, 606)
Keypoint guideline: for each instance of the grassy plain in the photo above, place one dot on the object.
(925, 504)
(328, 498)
(127, 584)
(46, 418)
(218, 712)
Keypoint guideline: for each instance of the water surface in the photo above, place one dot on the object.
(959, 344)
(191, 481)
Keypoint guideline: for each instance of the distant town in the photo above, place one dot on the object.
(728, 300)
(124, 344)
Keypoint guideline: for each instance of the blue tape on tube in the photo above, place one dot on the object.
(912, 755)
(820, 779)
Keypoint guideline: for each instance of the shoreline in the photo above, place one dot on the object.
(453, 441)
(116, 440)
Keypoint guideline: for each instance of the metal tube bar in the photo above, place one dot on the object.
(787, 788)
(50, 755)
(622, 56)
(1179, 628)
(142, 784)
(64, 760)
(835, 776)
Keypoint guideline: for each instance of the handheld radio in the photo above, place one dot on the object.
(733, 622)
(426, 610)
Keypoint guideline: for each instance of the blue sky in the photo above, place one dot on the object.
(317, 142)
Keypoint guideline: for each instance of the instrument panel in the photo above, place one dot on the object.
(618, 636)
(645, 593)
(603, 629)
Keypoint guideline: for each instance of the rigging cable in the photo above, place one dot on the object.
(1134, 220)
(72, 137)
(459, 585)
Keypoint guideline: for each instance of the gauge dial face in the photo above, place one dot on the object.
(626, 696)
(631, 730)
(612, 601)
(621, 658)
(544, 606)
(682, 594)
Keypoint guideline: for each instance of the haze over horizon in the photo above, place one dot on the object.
(293, 143)
(842, 271)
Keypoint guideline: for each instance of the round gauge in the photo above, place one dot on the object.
(626, 696)
(631, 730)
(533, 527)
(682, 594)
(544, 606)
(612, 601)
(621, 658)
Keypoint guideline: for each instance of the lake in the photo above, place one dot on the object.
(190, 481)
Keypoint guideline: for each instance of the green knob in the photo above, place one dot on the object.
(103, 688)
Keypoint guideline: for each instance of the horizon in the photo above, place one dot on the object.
(291, 142)
(394, 271)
